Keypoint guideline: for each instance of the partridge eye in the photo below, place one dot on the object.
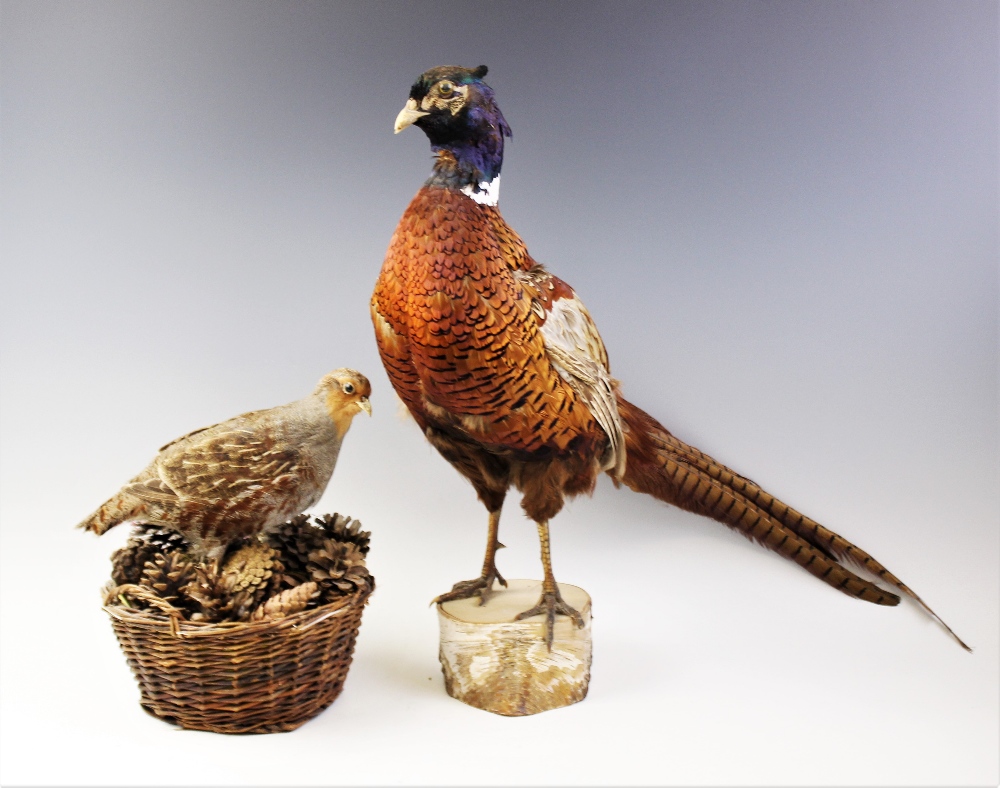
(348, 388)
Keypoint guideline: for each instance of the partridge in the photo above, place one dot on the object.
(244, 476)
(503, 368)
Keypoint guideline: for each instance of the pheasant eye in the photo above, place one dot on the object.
(446, 88)
(348, 388)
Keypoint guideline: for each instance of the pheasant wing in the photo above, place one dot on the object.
(576, 351)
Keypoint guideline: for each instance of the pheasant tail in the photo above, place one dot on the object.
(668, 469)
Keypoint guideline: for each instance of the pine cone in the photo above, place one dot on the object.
(342, 528)
(294, 541)
(128, 562)
(144, 544)
(249, 568)
(206, 594)
(338, 565)
(165, 540)
(168, 575)
(286, 603)
(213, 600)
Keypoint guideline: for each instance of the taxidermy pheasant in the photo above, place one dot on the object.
(244, 476)
(503, 369)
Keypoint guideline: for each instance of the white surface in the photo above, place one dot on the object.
(196, 202)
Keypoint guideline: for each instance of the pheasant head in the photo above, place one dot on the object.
(459, 114)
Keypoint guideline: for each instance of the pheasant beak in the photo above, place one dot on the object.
(408, 116)
(365, 405)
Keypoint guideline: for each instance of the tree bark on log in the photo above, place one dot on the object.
(496, 663)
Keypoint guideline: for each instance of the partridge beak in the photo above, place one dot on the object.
(408, 116)
(365, 405)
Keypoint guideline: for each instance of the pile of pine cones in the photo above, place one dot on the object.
(298, 566)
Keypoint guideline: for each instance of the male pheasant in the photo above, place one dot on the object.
(503, 369)
(243, 476)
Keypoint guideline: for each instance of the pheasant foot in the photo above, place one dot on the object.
(550, 605)
(482, 587)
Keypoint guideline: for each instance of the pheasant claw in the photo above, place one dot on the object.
(464, 589)
(550, 605)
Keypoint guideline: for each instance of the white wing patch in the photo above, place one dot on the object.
(578, 355)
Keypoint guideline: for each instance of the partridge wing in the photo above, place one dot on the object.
(220, 464)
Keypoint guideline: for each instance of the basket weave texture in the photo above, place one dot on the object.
(239, 677)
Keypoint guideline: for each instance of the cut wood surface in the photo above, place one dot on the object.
(494, 662)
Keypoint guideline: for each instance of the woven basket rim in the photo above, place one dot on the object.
(182, 627)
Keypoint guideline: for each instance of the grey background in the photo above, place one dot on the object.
(783, 217)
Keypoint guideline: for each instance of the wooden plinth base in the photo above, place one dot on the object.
(495, 663)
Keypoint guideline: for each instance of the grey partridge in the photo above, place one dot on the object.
(244, 476)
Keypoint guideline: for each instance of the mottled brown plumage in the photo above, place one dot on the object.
(243, 476)
(503, 368)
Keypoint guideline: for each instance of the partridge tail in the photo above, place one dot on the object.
(668, 469)
(113, 511)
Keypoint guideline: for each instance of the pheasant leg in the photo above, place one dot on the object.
(482, 585)
(551, 602)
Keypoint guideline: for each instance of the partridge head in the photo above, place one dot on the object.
(243, 476)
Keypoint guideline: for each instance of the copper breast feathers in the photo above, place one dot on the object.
(460, 310)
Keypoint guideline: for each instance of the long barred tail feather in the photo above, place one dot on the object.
(668, 469)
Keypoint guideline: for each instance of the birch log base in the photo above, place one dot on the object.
(494, 662)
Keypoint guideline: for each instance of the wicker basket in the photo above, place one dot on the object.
(263, 677)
